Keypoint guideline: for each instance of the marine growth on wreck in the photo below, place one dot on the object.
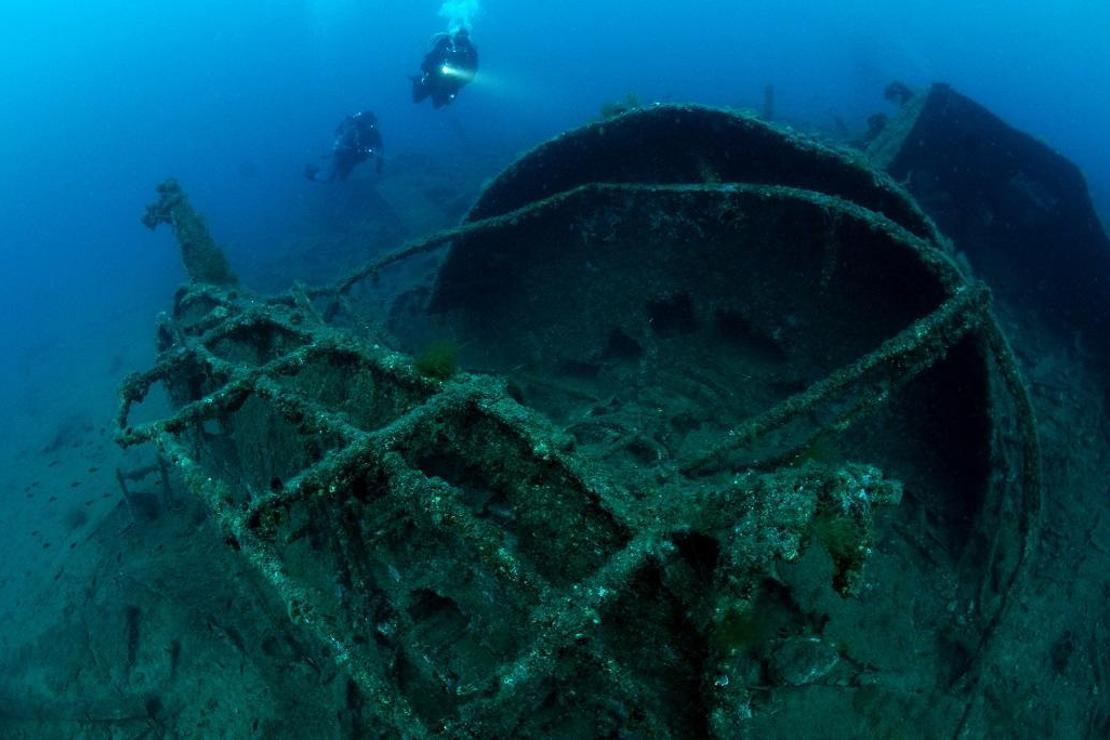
(649, 450)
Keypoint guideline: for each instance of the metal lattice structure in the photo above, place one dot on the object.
(474, 570)
(386, 471)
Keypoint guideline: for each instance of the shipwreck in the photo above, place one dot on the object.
(701, 391)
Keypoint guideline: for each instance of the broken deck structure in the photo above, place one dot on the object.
(694, 347)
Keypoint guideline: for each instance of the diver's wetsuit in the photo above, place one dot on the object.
(446, 69)
(357, 139)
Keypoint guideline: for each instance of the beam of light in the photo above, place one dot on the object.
(521, 91)
(458, 74)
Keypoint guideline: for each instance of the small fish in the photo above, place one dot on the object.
(93, 469)
(75, 484)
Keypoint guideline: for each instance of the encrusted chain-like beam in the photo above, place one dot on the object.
(434, 416)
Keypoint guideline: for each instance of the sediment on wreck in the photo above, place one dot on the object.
(595, 533)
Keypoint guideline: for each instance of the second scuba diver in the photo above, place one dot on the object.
(357, 139)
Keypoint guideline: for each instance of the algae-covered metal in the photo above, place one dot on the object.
(581, 542)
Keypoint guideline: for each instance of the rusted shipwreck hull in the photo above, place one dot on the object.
(706, 346)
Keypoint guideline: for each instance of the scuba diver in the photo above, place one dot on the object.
(446, 69)
(356, 139)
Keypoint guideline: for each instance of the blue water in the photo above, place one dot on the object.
(100, 100)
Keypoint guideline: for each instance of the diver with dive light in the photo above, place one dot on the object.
(447, 68)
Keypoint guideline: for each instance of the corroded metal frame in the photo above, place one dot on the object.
(563, 617)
